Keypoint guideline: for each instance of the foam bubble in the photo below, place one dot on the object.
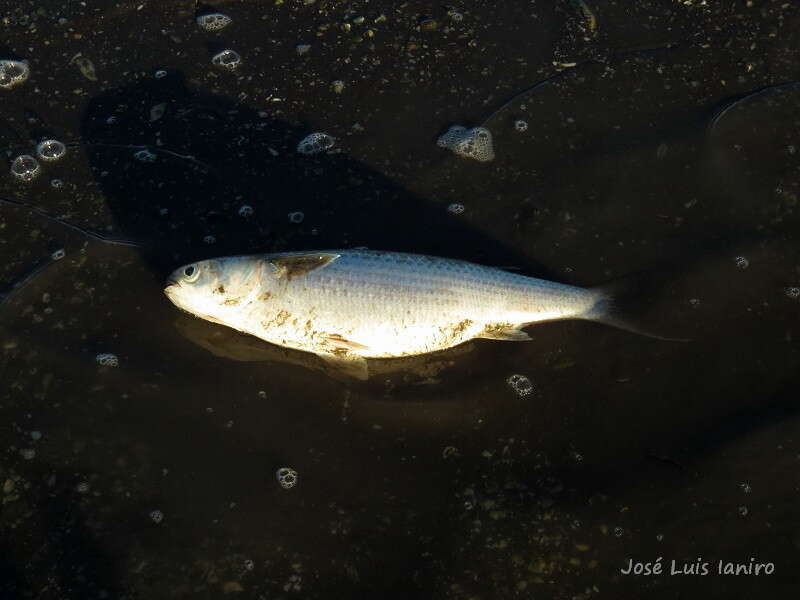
(107, 360)
(475, 143)
(455, 208)
(13, 73)
(228, 59)
(316, 142)
(296, 217)
(245, 210)
(50, 150)
(213, 21)
(286, 477)
(520, 384)
(145, 156)
(521, 125)
(25, 168)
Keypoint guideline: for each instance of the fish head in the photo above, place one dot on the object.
(217, 289)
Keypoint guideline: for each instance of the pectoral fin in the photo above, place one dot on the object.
(504, 333)
(297, 265)
(342, 344)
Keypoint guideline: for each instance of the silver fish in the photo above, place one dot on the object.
(356, 304)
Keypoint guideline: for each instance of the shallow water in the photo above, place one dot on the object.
(434, 479)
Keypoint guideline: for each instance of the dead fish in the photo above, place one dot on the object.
(350, 305)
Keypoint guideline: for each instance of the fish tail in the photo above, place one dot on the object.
(620, 303)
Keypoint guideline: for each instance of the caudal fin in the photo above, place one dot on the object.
(621, 303)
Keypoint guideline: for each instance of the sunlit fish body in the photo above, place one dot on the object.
(353, 304)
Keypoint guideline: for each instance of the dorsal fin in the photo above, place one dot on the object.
(297, 265)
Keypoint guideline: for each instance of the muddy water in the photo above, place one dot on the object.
(435, 478)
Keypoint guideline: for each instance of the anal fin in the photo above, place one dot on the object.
(349, 364)
(505, 333)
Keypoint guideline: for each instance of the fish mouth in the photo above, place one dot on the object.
(171, 288)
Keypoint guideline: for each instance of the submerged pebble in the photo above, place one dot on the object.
(86, 67)
(13, 73)
(25, 168)
(51, 150)
(286, 477)
(228, 59)
(314, 143)
(475, 143)
(213, 21)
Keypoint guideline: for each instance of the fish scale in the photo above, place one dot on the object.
(352, 304)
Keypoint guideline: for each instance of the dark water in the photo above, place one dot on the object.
(434, 479)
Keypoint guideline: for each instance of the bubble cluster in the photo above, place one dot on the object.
(51, 150)
(157, 516)
(286, 477)
(28, 453)
(792, 292)
(520, 384)
(521, 125)
(13, 72)
(82, 487)
(25, 168)
(56, 184)
(246, 211)
(455, 208)
(58, 254)
(209, 239)
(107, 360)
(160, 73)
(229, 59)
(145, 156)
(741, 262)
(475, 143)
(213, 21)
(314, 143)
(302, 49)
(296, 217)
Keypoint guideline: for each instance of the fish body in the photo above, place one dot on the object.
(372, 304)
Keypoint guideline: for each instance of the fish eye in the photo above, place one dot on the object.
(191, 273)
